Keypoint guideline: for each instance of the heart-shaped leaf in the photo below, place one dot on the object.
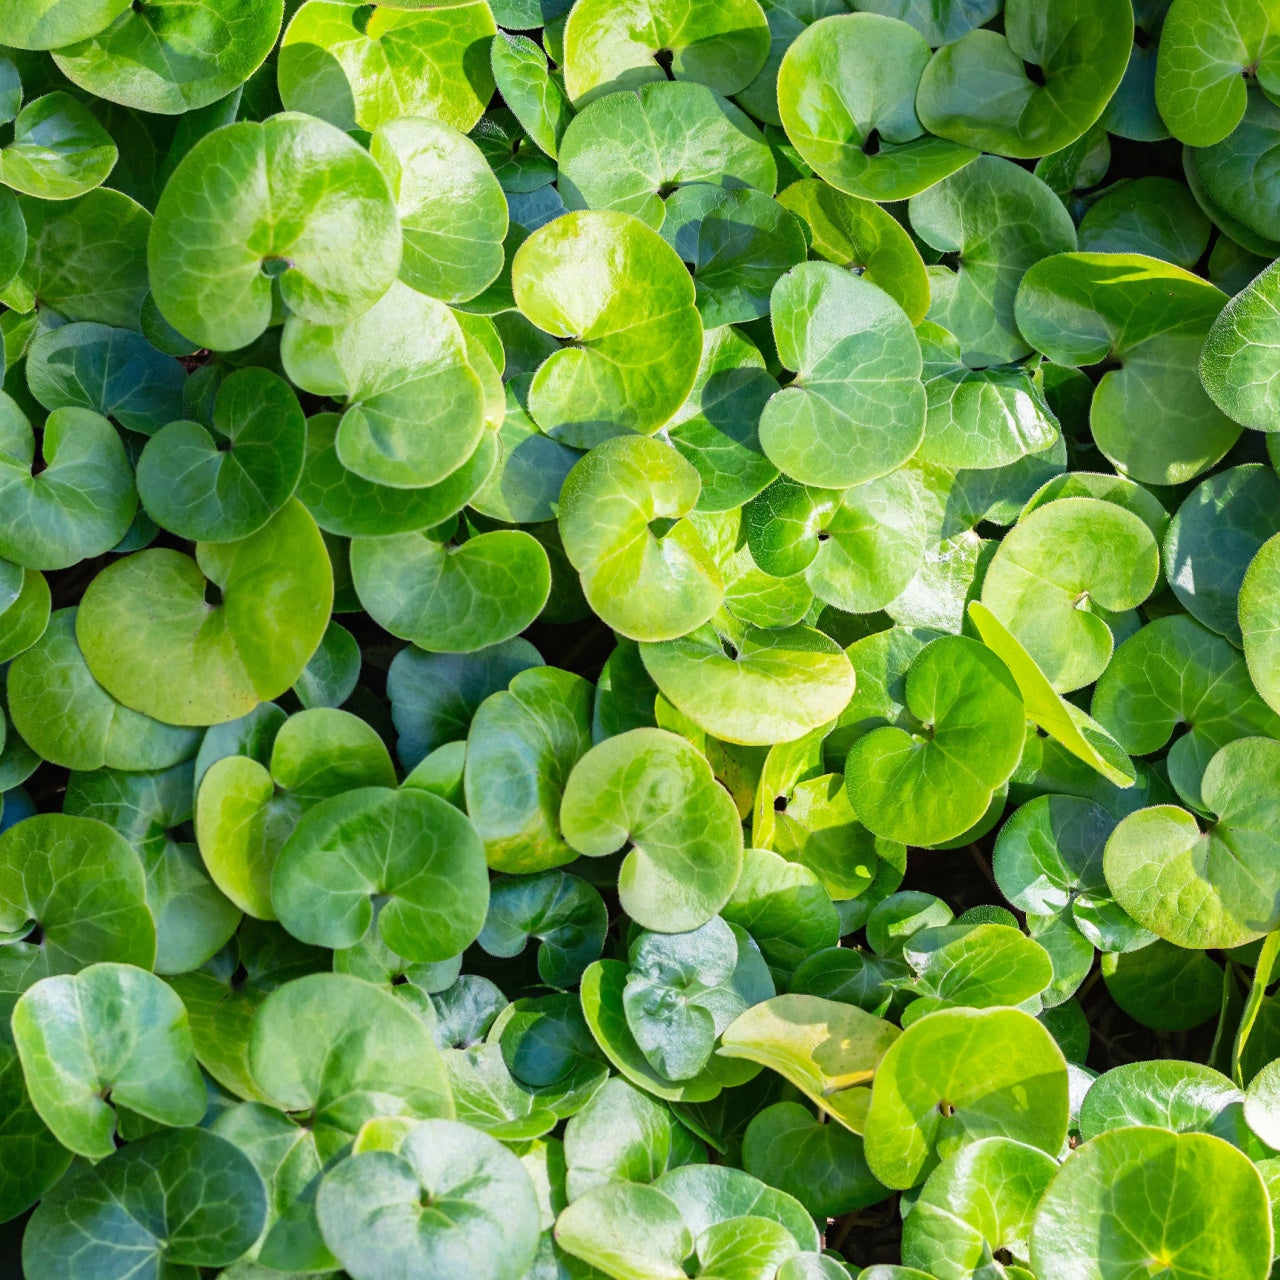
(215, 259)
(409, 851)
(653, 790)
(622, 300)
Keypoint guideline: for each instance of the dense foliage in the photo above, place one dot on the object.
(640, 640)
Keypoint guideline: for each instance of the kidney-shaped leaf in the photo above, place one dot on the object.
(855, 410)
(621, 299)
(450, 1201)
(978, 92)
(929, 777)
(654, 790)
(1240, 363)
(409, 851)
(647, 582)
(1146, 1200)
(77, 502)
(722, 44)
(225, 481)
(284, 204)
(959, 1075)
(846, 94)
(1219, 888)
(113, 1032)
(171, 1202)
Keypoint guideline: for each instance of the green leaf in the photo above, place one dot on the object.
(110, 1031)
(70, 719)
(622, 300)
(1213, 537)
(1185, 1097)
(59, 151)
(998, 220)
(524, 485)
(1207, 53)
(645, 571)
(1150, 215)
(784, 907)
(979, 1202)
(858, 549)
(846, 94)
(822, 1165)
(193, 919)
(80, 885)
(452, 597)
(534, 94)
(627, 1230)
(223, 998)
(1238, 363)
(75, 502)
(257, 207)
(86, 259)
(1149, 416)
(828, 1050)
(408, 851)
(929, 777)
(182, 1199)
(856, 408)
(621, 1135)
(861, 236)
(1211, 889)
(1173, 673)
(1058, 577)
(736, 243)
(603, 994)
(977, 966)
(164, 57)
(977, 91)
(49, 24)
(434, 696)
(521, 747)
(652, 789)
(1048, 861)
(224, 482)
(957, 1076)
(752, 685)
(345, 1051)
(712, 1195)
(722, 44)
(247, 809)
(1113, 1209)
(449, 1201)
(1164, 987)
(1259, 623)
(34, 1160)
(564, 913)
(114, 372)
(360, 70)
(453, 214)
(627, 151)
(415, 405)
(204, 663)
(981, 419)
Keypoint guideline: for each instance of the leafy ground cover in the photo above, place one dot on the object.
(640, 641)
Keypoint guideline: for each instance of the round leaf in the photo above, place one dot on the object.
(855, 410)
(846, 94)
(412, 852)
(655, 791)
(282, 204)
(621, 298)
(209, 663)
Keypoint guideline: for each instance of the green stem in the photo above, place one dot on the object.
(1261, 980)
